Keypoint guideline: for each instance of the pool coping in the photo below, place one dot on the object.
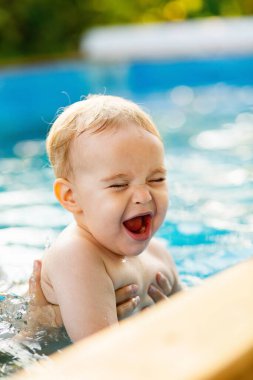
(208, 37)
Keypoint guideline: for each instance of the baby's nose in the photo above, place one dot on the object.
(141, 195)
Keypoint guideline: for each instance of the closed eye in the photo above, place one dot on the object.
(118, 185)
(161, 179)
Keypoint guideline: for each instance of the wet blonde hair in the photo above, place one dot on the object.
(95, 114)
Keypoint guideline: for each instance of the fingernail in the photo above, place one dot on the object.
(152, 288)
(136, 300)
(134, 289)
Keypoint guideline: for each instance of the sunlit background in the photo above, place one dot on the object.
(43, 28)
(196, 81)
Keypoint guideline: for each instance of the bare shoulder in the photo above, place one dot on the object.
(69, 242)
(70, 251)
(71, 260)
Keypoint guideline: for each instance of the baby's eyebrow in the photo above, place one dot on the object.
(160, 170)
(114, 177)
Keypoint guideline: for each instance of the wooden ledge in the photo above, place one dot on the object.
(204, 333)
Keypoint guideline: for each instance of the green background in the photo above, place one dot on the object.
(37, 29)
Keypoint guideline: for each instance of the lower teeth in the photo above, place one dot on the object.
(143, 228)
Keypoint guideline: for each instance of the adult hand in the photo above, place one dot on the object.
(162, 291)
(41, 312)
(128, 300)
(35, 292)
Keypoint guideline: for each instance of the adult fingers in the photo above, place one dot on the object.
(164, 283)
(35, 277)
(35, 291)
(127, 308)
(156, 294)
(126, 293)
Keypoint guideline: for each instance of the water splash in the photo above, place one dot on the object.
(22, 344)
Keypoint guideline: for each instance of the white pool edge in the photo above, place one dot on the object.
(210, 37)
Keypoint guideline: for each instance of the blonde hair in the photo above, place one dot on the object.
(95, 114)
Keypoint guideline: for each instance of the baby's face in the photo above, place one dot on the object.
(120, 185)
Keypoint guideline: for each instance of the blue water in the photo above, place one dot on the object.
(204, 110)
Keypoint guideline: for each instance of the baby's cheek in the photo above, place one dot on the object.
(108, 219)
(164, 200)
(162, 209)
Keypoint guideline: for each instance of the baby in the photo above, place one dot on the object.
(108, 160)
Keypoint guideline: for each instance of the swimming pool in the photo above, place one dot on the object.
(204, 110)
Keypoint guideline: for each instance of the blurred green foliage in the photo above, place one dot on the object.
(53, 27)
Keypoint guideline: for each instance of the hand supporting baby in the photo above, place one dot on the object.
(46, 314)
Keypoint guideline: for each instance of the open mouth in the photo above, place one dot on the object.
(139, 227)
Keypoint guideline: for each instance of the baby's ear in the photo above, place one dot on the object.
(63, 190)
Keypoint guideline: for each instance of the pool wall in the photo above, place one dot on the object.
(206, 37)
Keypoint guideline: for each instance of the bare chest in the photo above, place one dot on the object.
(140, 270)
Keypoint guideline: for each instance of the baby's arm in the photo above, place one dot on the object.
(83, 290)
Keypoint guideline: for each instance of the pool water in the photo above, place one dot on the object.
(207, 128)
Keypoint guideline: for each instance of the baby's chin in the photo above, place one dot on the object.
(134, 249)
(125, 247)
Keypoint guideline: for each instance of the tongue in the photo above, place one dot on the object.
(134, 225)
